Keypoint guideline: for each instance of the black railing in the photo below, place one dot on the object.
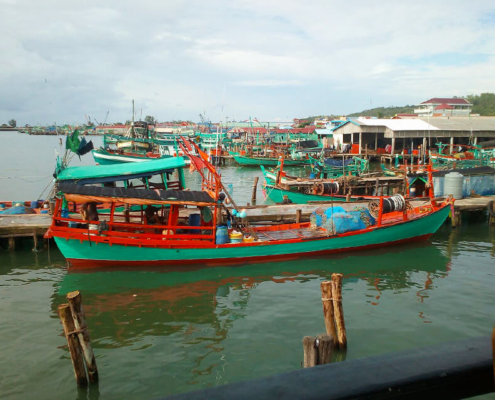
(453, 370)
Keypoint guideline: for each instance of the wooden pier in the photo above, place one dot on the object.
(34, 226)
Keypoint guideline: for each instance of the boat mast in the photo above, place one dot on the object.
(132, 122)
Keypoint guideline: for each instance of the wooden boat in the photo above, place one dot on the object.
(461, 156)
(111, 157)
(139, 144)
(130, 239)
(280, 187)
(332, 167)
(245, 160)
(166, 173)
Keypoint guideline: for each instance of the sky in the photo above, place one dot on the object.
(61, 61)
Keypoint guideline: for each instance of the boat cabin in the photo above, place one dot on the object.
(163, 174)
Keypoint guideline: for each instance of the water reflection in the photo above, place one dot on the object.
(125, 305)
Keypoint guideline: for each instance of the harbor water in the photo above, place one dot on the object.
(162, 331)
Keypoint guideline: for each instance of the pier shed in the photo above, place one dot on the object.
(375, 133)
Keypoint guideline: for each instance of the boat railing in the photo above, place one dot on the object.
(116, 230)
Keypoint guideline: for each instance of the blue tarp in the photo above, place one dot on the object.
(338, 163)
(18, 210)
(337, 220)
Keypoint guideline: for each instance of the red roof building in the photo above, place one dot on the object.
(450, 101)
(440, 106)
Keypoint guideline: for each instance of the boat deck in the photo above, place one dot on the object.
(300, 233)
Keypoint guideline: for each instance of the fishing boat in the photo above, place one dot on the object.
(242, 158)
(163, 173)
(283, 188)
(133, 239)
(332, 168)
(461, 156)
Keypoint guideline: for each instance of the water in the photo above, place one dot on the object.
(169, 330)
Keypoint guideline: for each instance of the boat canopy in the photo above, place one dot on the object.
(124, 171)
(74, 192)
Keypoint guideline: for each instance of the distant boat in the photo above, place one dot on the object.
(137, 145)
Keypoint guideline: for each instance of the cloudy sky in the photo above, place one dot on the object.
(273, 60)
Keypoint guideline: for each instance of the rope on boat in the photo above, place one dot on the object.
(390, 204)
(22, 178)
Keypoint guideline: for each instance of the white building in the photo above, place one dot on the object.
(442, 107)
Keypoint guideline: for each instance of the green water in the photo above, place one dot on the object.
(163, 331)
(169, 330)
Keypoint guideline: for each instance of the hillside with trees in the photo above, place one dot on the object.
(384, 112)
(483, 104)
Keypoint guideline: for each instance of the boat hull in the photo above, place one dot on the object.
(277, 195)
(106, 158)
(255, 161)
(83, 253)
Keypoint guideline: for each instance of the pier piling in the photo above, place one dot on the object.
(491, 212)
(76, 333)
(310, 352)
(339, 310)
(328, 313)
(255, 187)
(73, 343)
(317, 350)
(79, 318)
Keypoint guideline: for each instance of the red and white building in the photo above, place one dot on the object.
(440, 107)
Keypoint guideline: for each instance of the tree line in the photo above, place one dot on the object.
(483, 104)
(12, 123)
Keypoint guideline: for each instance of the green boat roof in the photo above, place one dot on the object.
(124, 169)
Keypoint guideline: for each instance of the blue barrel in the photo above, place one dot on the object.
(222, 235)
(194, 220)
(65, 213)
(312, 175)
(34, 204)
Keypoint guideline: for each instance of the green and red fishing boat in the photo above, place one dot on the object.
(157, 234)
(252, 160)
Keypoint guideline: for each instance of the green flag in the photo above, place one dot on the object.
(73, 141)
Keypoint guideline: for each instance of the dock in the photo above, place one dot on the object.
(34, 226)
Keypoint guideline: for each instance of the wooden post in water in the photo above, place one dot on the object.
(491, 213)
(339, 310)
(74, 349)
(81, 329)
(325, 344)
(11, 243)
(493, 350)
(458, 218)
(255, 187)
(310, 352)
(35, 240)
(317, 350)
(328, 313)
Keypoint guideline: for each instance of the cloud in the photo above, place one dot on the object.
(268, 83)
(279, 58)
